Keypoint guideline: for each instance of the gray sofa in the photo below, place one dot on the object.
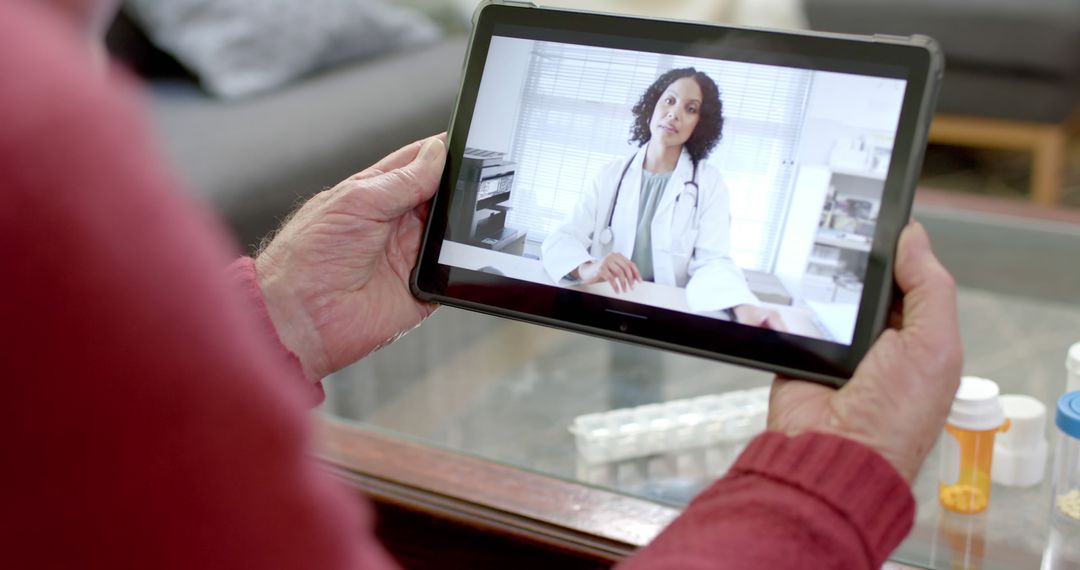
(1010, 59)
(256, 159)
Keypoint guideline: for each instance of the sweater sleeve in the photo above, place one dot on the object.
(147, 421)
(814, 501)
(245, 279)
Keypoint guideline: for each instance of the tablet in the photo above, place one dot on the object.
(725, 192)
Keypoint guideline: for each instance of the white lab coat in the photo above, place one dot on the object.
(685, 253)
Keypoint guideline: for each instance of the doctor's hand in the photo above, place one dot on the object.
(336, 276)
(615, 268)
(899, 397)
(759, 317)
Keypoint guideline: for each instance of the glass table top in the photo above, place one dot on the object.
(509, 392)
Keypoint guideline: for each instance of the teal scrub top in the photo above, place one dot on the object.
(652, 187)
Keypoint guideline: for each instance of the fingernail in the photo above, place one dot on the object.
(431, 150)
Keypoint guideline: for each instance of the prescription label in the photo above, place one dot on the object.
(949, 468)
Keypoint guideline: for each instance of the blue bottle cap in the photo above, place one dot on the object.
(1068, 414)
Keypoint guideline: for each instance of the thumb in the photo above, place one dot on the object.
(930, 311)
(401, 190)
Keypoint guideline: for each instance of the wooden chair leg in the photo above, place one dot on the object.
(1048, 166)
(1047, 142)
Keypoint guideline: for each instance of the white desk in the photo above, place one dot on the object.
(799, 320)
(477, 258)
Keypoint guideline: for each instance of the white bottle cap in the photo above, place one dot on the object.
(1020, 452)
(976, 406)
(1072, 366)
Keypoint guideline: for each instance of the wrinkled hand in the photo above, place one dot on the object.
(756, 316)
(900, 395)
(615, 268)
(336, 277)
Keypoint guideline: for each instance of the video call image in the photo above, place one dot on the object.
(731, 190)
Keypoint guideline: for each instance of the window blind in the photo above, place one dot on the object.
(575, 118)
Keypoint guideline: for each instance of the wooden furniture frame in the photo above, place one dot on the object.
(427, 499)
(1047, 142)
(494, 498)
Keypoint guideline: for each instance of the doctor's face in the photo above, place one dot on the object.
(676, 113)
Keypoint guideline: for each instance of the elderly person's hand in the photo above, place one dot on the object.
(900, 395)
(336, 277)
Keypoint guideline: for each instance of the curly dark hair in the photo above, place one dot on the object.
(710, 125)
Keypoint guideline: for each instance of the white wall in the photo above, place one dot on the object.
(842, 105)
(499, 99)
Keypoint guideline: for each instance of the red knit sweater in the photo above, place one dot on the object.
(152, 419)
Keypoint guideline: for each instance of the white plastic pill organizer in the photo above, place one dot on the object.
(671, 426)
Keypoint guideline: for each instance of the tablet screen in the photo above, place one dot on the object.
(693, 184)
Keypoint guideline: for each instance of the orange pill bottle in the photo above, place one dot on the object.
(967, 446)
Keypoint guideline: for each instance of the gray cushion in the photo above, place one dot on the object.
(1041, 36)
(245, 47)
(1008, 95)
(256, 159)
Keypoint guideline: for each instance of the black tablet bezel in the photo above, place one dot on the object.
(917, 60)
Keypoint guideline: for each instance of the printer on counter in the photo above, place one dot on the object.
(481, 202)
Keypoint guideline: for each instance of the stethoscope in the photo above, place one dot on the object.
(607, 236)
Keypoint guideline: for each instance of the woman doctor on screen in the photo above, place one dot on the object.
(661, 215)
